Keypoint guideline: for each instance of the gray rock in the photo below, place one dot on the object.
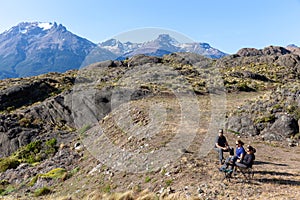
(248, 74)
(242, 125)
(34, 92)
(284, 127)
(143, 59)
(249, 52)
(187, 58)
(275, 50)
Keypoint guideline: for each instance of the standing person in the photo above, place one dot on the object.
(221, 145)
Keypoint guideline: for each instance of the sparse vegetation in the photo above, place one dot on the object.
(57, 173)
(84, 129)
(168, 182)
(178, 179)
(264, 119)
(6, 190)
(41, 191)
(8, 163)
(147, 179)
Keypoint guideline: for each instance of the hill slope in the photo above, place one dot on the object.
(150, 123)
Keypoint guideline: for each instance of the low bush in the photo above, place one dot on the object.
(41, 191)
(8, 163)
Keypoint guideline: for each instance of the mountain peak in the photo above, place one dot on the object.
(166, 38)
(110, 42)
(31, 25)
(27, 27)
(292, 45)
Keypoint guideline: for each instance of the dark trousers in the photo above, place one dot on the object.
(241, 165)
(220, 151)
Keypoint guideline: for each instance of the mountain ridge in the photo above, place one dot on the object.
(163, 44)
(33, 48)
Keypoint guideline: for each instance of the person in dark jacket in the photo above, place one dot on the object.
(221, 145)
(249, 158)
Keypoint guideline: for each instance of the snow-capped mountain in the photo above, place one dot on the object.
(162, 45)
(119, 48)
(33, 48)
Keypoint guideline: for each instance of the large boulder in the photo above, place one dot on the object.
(275, 50)
(284, 127)
(241, 125)
(249, 52)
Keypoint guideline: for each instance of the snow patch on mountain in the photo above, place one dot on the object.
(163, 44)
(45, 25)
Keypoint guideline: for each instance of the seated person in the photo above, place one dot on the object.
(248, 158)
(239, 155)
(239, 152)
(221, 145)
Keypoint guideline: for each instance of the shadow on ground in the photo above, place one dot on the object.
(274, 173)
(279, 181)
(269, 163)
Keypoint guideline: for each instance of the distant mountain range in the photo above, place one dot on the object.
(162, 45)
(33, 48)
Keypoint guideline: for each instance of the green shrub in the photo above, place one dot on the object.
(234, 132)
(73, 171)
(41, 191)
(264, 119)
(106, 189)
(25, 122)
(33, 152)
(57, 173)
(7, 190)
(51, 143)
(147, 179)
(168, 182)
(29, 152)
(33, 181)
(244, 87)
(8, 163)
(51, 147)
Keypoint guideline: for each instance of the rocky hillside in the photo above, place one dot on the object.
(146, 125)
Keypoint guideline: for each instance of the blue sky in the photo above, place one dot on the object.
(226, 25)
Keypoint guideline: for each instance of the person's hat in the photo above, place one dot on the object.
(220, 130)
